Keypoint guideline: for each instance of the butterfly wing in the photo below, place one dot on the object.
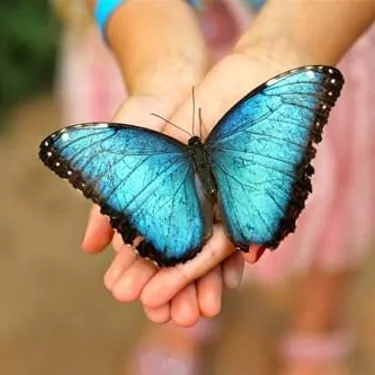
(142, 179)
(261, 151)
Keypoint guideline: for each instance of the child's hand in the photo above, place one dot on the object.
(160, 75)
(182, 295)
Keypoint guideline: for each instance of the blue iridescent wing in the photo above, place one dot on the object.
(143, 180)
(261, 151)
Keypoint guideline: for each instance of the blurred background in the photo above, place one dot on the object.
(55, 315)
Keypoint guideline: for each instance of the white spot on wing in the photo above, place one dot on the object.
(65, 136)
(103, 125)
(57, 164)
(49, 154)
(310, 74)
(46, 143)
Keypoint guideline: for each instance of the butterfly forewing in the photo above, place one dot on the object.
(142, 179)
(261, 150)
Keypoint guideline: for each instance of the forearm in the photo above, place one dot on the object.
(157, 39)
(321, 31)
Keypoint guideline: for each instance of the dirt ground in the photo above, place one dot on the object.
(55, 315)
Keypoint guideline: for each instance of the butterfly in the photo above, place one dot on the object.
(254, 167)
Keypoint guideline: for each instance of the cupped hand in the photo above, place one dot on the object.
(187, 291)
(187, 296)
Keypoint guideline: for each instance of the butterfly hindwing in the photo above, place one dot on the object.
(261, 150)
(142, 179)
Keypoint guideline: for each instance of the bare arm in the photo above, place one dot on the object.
(155, 41)
(321, 31)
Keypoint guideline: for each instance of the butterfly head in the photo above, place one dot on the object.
(194, 141)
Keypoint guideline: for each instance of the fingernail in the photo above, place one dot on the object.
(260, 252)
(234, 280)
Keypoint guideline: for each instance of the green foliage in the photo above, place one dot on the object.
(28, 44)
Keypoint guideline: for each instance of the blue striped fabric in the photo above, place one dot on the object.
(103, 12)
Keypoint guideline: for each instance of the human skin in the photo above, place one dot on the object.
(160, 49)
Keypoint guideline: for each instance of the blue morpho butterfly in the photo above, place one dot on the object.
(254, 166)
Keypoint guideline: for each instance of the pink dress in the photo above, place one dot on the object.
(338, 223)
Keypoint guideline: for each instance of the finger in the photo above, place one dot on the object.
(98, 233)
(210, 289)
(254, 254)
(124, 258)
(184, 307)
(169, 281)
(118, 242)
(131, 282)
(233, 268)
(160, 315)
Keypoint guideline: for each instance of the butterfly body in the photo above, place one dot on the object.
(254, 166)
(202, 166)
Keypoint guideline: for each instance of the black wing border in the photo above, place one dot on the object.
(118, 220)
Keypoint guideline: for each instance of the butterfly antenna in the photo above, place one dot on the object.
(201, 123)
(193, 99)
(171, 123)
